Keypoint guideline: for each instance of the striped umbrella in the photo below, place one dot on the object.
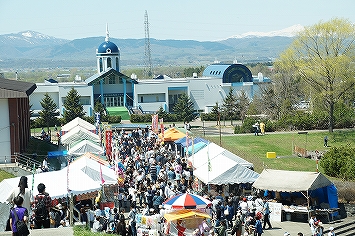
(186, 201)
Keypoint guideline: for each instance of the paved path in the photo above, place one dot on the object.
(44, 232)
(345, 227)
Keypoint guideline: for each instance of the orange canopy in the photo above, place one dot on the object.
(172, 135)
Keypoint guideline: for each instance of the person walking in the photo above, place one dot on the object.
(258, 227)
(22, 191)
(41, 208)
(331, 231)
(266, 212)
(238, 225)
(132, 220)
(262, 128)
(21, 215)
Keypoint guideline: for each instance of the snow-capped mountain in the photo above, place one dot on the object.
(287, 32)
(30, 38)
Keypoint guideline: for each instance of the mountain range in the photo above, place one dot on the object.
(31, 49)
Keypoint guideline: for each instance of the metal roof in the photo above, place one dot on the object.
(15, 88)
(99, 76)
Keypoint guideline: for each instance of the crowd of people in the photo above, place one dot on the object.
(150, 172)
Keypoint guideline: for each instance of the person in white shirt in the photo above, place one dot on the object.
(244, 208)
(331, 231)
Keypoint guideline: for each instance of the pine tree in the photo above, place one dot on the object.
(49, 112)
(229, 105)
(73, 107)
(184, 108)
(101, 109)
(242, 104)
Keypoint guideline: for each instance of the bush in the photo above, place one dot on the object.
(246, 127)
(339, 162)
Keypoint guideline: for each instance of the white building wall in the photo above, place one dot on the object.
(5, 143)
(37, 96)
(83, 90)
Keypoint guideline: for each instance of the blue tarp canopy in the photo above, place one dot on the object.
(57, 153)
(195, 148)
(182, 141)
(315, 184)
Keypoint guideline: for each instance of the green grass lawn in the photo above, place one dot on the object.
(254, 148)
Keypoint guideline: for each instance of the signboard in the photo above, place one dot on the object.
(276, 211)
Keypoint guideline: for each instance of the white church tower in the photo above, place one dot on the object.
(107, 55)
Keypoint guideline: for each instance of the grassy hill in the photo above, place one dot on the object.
(254, 148)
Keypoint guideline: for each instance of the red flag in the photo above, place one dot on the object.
(101, 176)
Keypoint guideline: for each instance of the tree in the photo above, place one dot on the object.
(323, 56)
(99, 108)
(48, 114)
(73, 107)
(184, 108)
(242, 104)
(229, 106)
(216, 111)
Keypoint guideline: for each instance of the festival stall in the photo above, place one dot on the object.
(185, 142)
(84, 146)
(171, 135)
(299, 194)
(218, 169)
(78, 134)
(75, 123)
(186, 214)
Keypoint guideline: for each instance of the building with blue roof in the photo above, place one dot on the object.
(214, 85)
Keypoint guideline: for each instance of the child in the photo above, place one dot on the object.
(21, 212)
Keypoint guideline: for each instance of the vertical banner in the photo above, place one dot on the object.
(68, 188)
(187, 145)
(108, 144)
(155, 122)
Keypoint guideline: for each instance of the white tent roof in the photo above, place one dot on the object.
(226, 167)
(225, 172)
(92, 168)
(77, 122)
(84, 177)
(56, 184)
(85, 146)
(290, 181)
(78, 134)
(213, 151)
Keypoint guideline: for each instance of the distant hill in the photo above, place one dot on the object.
(34, 50)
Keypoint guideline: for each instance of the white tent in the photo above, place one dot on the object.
(290, 181)
(216, 165)
(78, 134)
(84, 177)
(56, 183)
(221, 173)
(85, 146)
(92, 168)
(224, 158)
(77, 122)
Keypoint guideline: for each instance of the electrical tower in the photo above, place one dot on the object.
(147, 73)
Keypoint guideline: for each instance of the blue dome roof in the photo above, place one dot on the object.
(108, 47)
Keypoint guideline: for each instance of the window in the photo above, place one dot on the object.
(100, 62)
(109, 63)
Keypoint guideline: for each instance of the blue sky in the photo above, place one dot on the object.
(182, 19)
